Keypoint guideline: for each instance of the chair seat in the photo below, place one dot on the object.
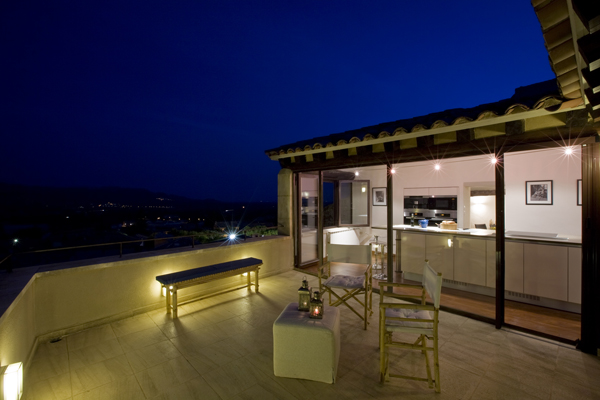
(345, 282)
(394, 325)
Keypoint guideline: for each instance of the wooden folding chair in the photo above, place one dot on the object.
(349, 287)
(420, 319)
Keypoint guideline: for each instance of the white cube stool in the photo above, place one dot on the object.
(306, 348)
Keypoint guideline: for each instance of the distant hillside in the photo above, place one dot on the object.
(20, 200)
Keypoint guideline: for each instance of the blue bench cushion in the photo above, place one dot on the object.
(176, 277)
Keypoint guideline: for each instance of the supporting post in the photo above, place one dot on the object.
(320, 221)
(500, 232)
(390, 224)
(590, 249)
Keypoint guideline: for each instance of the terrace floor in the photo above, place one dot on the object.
(222, 348)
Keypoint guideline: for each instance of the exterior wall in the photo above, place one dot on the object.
(64, 301)
(18, 328)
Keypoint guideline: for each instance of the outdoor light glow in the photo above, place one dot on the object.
(393, 171)
(16, 241)
(12, 381)
(356, 173)
(232, 236)
(494, 160)
(437, 167)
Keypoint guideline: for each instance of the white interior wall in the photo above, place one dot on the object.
(564, 215)
(483, 209)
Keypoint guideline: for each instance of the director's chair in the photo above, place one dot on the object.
(359, 288)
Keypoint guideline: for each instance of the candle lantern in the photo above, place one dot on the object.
(304, 296)
(316, 305)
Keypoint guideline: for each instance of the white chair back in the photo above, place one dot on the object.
(432, 282)
(354, 254)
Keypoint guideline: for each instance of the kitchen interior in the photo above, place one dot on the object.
(457, 199)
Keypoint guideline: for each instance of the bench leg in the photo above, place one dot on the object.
(249, 280)
(168, 297)
(256, 277)
(174, 302)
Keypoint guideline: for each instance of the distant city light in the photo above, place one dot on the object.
(15, 241)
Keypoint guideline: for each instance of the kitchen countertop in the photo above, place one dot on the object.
(520, 236)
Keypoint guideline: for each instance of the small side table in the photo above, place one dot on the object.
(306, 348)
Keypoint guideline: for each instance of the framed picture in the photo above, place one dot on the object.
(579, 192)
(379, 196)
(538, 192)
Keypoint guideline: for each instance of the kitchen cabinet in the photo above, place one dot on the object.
(546, 271)
(513, 266)
(444, 191)
(575, 275)
(440, 255)
(470, 260)
(432, 191)
(412, 255)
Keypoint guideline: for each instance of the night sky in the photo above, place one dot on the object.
(184, 97)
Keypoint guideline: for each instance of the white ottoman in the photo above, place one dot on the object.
(306, 348)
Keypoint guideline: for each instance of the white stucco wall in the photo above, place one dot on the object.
(68, 300)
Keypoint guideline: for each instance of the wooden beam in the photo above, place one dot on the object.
(500, 248)
(590, 248)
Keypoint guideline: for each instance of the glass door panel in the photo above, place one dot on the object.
(309, 218)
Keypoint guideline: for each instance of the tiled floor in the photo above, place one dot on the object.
(222, 348)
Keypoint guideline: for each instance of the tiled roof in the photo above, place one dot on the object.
(572, 49)
(533, 97)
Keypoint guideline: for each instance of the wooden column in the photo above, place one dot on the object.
(390, 224)
(590, 249)
(320, 220)
(500, 248)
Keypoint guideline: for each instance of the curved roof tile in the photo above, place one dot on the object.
(536, 96)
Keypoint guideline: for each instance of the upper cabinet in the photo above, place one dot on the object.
(434, 191)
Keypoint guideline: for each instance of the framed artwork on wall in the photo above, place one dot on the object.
(379, 196)
(579, 192)
(538, 192)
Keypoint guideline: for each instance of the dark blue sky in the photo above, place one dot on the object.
(184, 96)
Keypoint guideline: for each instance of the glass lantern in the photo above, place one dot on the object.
(316, 306)
(304, 296)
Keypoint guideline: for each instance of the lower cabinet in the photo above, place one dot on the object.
(438, 251)
(470, 260)
(513, 266)
(575, 275)
(546, 271)
(412, 254)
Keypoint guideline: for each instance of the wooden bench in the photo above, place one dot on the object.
(170, 283)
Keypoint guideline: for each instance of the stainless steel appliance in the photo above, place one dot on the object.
(434, 208)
